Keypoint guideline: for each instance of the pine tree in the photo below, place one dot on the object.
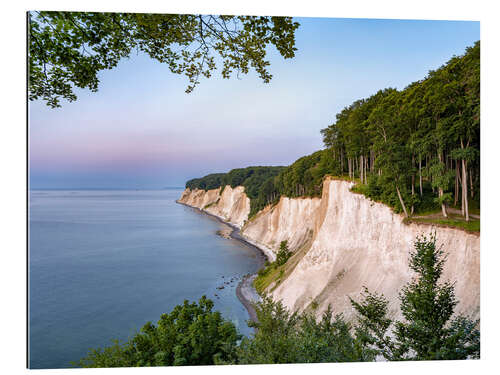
(283, 254)
(428, 331)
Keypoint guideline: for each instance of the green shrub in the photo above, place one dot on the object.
(263, 271)
(283, 254)
(314, 305)
(284, 337)
(192, 334)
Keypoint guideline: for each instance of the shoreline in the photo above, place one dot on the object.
(242, 289)
(245, 292)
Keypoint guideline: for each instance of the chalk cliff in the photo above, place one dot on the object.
(231, 204)
(342, 242)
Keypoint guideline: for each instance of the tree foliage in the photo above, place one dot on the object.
(192, 334)
(265, 185)
(208, 182)
(284, 337)
(254, 179)
(283, 253)
(420, 142)
(69, 49)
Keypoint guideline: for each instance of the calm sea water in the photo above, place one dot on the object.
(103, 263)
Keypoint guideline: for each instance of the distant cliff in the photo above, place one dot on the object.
(231, 205)
(342, 242)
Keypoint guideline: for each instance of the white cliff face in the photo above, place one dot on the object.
(199, 198)
(291, 219)
(360, 243)
(232, 205)
(352, 242)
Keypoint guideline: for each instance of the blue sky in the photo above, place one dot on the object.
(140, 130)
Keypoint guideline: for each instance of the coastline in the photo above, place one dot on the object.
(247, 295)
(245, 292)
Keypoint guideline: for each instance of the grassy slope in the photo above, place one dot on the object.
(272, 275)
(453, 221)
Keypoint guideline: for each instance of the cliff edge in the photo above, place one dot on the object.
(343, 242)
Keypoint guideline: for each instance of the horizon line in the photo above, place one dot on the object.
(106, 188)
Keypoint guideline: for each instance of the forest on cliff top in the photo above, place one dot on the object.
(416, 150)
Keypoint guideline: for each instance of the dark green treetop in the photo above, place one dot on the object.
(284, 337)
(283, 253)
(192, 334)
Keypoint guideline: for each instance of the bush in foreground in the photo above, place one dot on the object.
(192, 334)
(284, 337)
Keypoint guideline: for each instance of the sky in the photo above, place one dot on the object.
(142, 131)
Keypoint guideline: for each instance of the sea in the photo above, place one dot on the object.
(102, 263)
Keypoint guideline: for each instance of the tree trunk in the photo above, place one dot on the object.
(420, 174)
(464, 190)
(456, 183)
(440, 189)
(443, 205)
(341, 163)
(412, 181)
(366, 169)
(471, 185)
(360, 169)
(462, 200)
(464, 185)
(412, 192)
(459, 173)
(361, 165)
(412, 175)
(365, 160)
(401, 201)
